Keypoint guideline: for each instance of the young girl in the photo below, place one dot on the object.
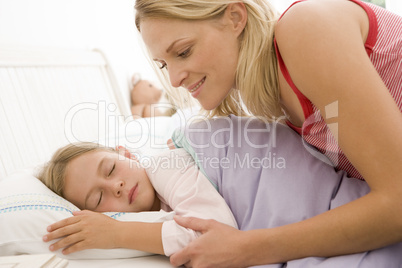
(332, 69)
(99, 179)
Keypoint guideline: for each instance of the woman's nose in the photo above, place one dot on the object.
(177, 75)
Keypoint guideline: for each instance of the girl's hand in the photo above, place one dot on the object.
(85, 230)
(219, 245)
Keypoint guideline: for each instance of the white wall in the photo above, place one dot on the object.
(104, 24)
(394, 5)
(282, 5)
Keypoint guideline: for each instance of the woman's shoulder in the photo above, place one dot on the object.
(317, 40)
(320, 17)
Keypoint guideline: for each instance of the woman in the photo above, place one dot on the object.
(333, 69)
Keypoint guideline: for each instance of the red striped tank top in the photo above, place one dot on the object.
(384, 47)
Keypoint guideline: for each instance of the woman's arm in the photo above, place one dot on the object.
(322, 45)
(331, 65)
(88, 230)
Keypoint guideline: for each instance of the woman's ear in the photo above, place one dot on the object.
(236, 13)
(125, 152)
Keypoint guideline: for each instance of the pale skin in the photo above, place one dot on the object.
(195, 44)
(101, 181)
(333, 67)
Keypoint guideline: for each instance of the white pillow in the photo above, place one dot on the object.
(27, 207)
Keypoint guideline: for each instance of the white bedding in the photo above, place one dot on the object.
(51, 97)
(156, 261)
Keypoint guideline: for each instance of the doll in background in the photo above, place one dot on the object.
(147, 100)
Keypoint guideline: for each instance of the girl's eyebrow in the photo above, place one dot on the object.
(99, 172)
(87, 197)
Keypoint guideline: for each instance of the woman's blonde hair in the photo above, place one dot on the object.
(256, 76)
(53, 173)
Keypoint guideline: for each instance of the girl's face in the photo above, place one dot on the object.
(198, 55)
(106, 181)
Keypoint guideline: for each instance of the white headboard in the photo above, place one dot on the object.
(50, 97)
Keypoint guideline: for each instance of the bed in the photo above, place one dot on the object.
(51, 97)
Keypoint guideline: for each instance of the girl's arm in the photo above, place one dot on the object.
(87, 230)
(142, 236)
(187, 191)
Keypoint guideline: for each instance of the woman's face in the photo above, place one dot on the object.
(106, 181)
(199, 55)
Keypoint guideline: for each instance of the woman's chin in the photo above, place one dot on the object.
(209, 102)
(209, 105)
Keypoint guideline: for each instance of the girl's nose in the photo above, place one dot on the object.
(118, 188)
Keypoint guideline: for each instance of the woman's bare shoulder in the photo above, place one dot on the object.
(320, 17)
(322, 45)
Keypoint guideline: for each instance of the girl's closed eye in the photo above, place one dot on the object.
(100, 199)
(112, 169)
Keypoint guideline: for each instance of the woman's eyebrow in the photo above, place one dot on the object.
(172, 45)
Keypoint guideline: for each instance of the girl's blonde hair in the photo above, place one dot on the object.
(54, 171)
(256, 76)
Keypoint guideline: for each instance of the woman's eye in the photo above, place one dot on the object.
(185, 53)
(111, 171)
(161, 64)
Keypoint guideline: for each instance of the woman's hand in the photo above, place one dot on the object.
(219, 245)
(85, 230)
(170, 144)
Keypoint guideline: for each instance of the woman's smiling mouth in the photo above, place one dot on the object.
(194, 89)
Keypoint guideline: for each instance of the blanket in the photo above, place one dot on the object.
(269, 177)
